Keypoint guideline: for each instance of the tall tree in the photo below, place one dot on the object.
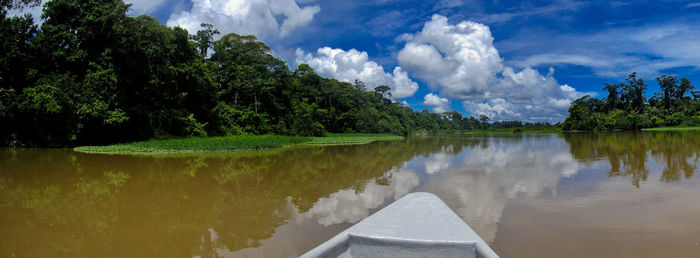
(636, 89)
(613, 95)
(484, 119)
(384, 90)
(205, 38)
(683, 88)
(668, 85)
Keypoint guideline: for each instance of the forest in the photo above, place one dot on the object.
(626, 106)
(91, 74)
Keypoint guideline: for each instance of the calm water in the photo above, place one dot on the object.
(572, 195)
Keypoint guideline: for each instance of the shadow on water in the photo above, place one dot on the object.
(76, 204)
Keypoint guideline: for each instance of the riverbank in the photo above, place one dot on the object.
(228, 143)
(673, 128)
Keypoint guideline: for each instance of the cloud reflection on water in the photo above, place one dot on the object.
(476, 181)
(348, 206)
(483, 178)
(490, 180)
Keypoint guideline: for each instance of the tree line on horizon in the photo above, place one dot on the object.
(626, 106)
(91, 74)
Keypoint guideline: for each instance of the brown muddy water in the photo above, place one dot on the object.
(531, 195)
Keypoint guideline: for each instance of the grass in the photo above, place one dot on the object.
(352, 138)
(673, 128)
(228, 143)
(198, 144)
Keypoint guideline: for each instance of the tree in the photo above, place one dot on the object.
(385, 93)
(205, 38)
(683, 88)
(484, 119)
(16, 34)
(13, 4)
(384, 90)
(635, 91)
(580, 114)
(453, 115)
(668, 85)
(612, 99)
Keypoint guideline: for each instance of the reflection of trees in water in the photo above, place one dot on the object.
(91, 205)
(42, 215)
(628, 153)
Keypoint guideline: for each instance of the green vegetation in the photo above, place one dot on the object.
(355, 138)
(673, 128)
(92, 75)
(197, 144)
(626, 106)
(225, 143)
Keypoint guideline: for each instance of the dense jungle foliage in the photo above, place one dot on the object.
(626, 106)
(91, 74)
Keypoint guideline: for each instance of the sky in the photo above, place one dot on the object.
(511, 60)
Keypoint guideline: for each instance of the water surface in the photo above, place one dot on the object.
(533, 195)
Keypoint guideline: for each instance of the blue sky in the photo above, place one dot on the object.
(521, 60)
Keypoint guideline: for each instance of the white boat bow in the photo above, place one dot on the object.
(417, 225)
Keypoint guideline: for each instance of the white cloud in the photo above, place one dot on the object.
(647, 50)
(34, 11)
(438, 104)
(461, 62)
(140, 6)
(145, 6)
(549, 10)
(385, 24)
(459, 59)
(691, 5)
(258, 17)
(353, 64)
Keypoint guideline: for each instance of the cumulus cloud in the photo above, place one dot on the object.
(438, 104)
(459, 59)
(461, 62)
(263, 18)
(353, 64)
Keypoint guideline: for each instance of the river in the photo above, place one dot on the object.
(624, 194)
